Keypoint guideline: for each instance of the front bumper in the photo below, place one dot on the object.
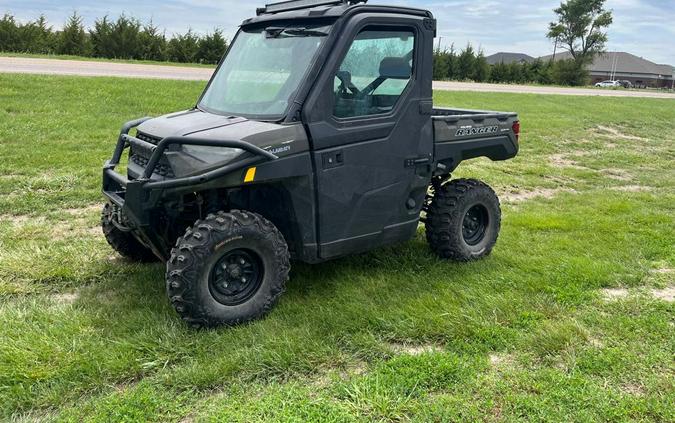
(136, 198)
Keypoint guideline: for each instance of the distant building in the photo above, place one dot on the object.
(508, 58)
(621, 66)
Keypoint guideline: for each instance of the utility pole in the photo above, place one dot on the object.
(438, 49)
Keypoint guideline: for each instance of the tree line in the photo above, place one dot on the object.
(579, 29)
(123, 38)
(468, 64)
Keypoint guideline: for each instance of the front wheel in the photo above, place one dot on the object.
(463, 220)
(227, 269)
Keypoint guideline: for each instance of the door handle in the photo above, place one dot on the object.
(333, 159)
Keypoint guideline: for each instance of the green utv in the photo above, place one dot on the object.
(315, 138)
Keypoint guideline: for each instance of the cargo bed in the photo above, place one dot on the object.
(462, 134)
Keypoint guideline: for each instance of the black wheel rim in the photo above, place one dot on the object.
(475, 224)
(236, 277)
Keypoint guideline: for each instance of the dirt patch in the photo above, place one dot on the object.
(11, 176)
(22, 220)
(606, 131)
(562, 161)
(596, 343)
(632, 389)
(79, 225)
(415, 349)
(74, 229)
(582, 153)
(502, 361)
(667, 294)
(613, 294)
(66, 298)
(95, 231)
(617, 174)
(91, 210)
(633, 188)
(520, 196)
(324, 377)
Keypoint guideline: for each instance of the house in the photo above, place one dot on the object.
(625, 66)
(508, 58)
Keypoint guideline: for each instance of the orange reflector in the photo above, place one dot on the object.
(250, 175)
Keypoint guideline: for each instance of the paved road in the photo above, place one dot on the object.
(90, 68)
(531, 89)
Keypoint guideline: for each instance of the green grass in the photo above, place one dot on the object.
(99, 59)
(527, 335)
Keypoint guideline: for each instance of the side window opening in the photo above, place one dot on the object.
(375, 72)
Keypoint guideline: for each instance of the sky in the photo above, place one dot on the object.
(645, 28)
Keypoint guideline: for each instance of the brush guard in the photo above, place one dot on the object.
(136, 197)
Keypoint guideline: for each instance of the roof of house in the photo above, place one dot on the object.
(621, 62)
(508, 58)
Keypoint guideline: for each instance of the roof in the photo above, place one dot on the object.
(621, 62)
(508, 58)
(334, 11)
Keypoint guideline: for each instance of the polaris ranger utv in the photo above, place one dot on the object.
(315, 138)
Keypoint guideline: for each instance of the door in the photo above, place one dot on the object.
(370, 129)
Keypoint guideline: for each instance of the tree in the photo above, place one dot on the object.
(125, 38)
(570, 72)
(580, 28)
(441, 67)
(183, 48)
(452, 63)
(514, 72)
(39, 36)
(9, 34)
(466, 63)
(499, 73)
(73, 40)
(100, 38)
(481, 69)
(212, 47)
(153, 43)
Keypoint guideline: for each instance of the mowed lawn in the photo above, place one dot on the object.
(571, 318)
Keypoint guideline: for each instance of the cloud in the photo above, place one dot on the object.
(641, 27)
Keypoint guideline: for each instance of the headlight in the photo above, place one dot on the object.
(193, 159)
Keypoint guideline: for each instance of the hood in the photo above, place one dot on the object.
(282, 140)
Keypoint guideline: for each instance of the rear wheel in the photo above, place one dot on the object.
(227, 269)
(124, 242)
(463, 220)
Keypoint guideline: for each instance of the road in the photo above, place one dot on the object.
(92, 68)
(540, 89)
(129, 70)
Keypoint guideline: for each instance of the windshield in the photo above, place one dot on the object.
(262, 71)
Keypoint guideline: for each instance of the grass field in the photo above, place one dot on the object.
(571, 318)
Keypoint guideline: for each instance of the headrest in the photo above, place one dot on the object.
(395, 68)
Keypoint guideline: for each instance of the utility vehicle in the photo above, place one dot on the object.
(315, 138)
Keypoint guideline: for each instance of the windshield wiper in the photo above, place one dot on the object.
(293, 32)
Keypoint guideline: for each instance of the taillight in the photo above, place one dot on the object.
(516, 129)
